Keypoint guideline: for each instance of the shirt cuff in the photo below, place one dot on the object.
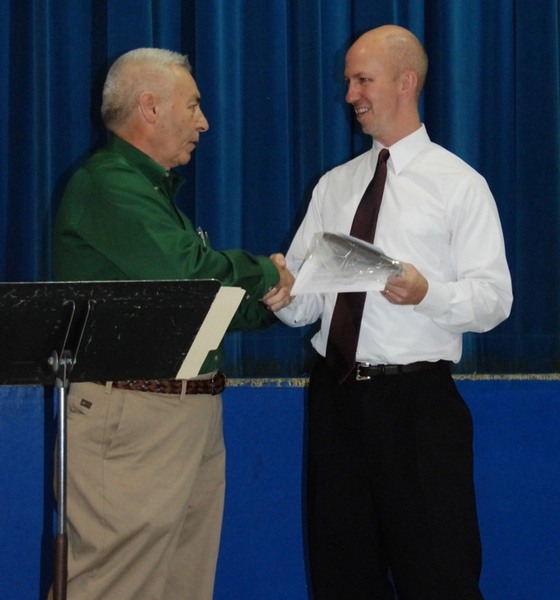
(436, 301)
(293, 315)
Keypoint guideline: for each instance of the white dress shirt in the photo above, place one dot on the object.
(438, 214)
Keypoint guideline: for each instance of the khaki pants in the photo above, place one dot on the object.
(145, 494)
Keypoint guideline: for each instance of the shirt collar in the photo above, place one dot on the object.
(403, 151)
(162, 179)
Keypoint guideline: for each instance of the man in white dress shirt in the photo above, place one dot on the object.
(390, 494)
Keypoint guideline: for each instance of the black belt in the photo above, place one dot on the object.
(213, 386)
(365, 371)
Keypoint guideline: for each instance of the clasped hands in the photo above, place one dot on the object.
(279, 296)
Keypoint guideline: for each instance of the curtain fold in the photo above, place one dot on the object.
(271, 79)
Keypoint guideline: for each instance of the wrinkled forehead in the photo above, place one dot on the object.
(184, 83)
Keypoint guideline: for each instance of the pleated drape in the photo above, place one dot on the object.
(271, 78)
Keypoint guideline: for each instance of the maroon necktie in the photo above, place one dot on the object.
(347, 315)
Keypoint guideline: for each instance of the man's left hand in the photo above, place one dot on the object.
(409, 288)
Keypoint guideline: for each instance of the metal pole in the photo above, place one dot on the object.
(61, 541)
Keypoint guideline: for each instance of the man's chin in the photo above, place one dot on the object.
(183, 159)
(363, 124)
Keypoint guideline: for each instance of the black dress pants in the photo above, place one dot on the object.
(390, 494)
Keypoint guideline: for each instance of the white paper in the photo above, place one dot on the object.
(212, 331)
(341, 263)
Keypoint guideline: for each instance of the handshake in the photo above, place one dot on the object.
(279, 296)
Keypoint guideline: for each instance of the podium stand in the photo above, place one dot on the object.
(51, 333)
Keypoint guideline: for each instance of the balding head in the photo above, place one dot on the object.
(385, 70)
(402, 48)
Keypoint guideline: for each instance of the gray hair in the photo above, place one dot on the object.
(134, 73)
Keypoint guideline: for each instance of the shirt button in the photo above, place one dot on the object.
(156, 188)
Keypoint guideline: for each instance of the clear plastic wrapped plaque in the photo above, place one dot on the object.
(337, 262)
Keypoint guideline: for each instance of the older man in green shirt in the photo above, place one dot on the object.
(146, 468)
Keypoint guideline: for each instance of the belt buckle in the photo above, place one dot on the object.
(359, 376)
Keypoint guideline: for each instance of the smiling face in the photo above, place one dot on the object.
(372, 88)
(381, 89)
(180, 121)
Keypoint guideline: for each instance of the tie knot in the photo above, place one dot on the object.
(383, 155)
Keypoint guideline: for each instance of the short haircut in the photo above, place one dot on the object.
(408, 54)
(132, 74)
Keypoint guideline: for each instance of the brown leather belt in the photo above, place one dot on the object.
(365, 371)
(213, 386)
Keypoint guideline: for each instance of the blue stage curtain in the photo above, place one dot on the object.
(270, 74)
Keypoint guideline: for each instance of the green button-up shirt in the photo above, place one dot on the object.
(118, 221)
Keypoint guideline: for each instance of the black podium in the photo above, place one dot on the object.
(54, 333)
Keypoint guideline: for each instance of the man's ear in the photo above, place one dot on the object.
(409, 83)
(148, 106)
